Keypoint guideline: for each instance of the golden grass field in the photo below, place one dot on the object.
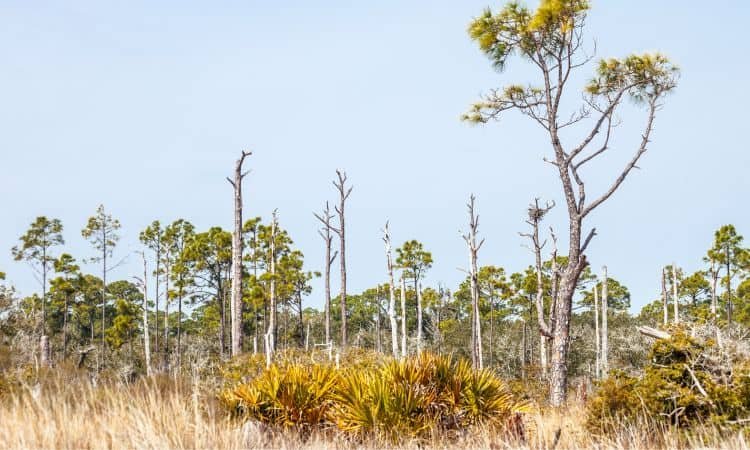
(165, 413)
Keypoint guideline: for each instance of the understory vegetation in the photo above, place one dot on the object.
(215, 339)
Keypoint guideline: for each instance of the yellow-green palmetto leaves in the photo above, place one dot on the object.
(294, 396)
(409, 399)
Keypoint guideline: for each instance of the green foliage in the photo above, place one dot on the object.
(643, 77)
(686, 383)
(392, 400)
(292, 396)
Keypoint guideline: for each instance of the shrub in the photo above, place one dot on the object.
(686, 383)
(293, 396)
(413, 398)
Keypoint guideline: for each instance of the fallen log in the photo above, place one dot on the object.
(654, 333)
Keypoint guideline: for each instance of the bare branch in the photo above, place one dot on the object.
(641, 150)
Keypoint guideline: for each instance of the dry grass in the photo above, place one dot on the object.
(165, 413)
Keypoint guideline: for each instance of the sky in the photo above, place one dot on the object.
(144, 106)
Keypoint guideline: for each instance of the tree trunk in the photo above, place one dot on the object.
(523, 351)
(325, 233)
(222, 319)
(419, 317)
(343, 195)
(404, 349)
(45, 351)
(271, 332)
(165, 357)
(675, 297)
(146, 340)
(664, 296)
(471, 242)
(104, 295)
(179, 330)
(236, 300)
(714, 282)
(378, 344)
(561, 340)
(65, 326)
(597, 335)
(605, 332)
(391, 292)
(730, 313)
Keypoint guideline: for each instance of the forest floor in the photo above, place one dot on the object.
(166, 413)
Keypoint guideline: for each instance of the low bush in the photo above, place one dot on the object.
(414, 398)
(687, 382)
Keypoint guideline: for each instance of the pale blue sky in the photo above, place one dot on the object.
(144, 106)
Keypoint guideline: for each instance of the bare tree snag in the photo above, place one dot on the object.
(714, 272)
(654, 333)
(404, 349)
(378, 341)
(325, 233)
(344, 193)
(146, 340)
(664, 296)
(391, 291)
(270, 337)
(546, 327)
(419, 318)
(471, 241)
(235, 304)
(605, 331)
(597, 335)
(44, 349)
(675, 297)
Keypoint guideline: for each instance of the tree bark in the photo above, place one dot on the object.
(391, 292)
(419, 318)
(341, 231)
(378, 343)
(236, 300)
(471, 241)
(165, 355)
(146, 340)
(325, 233)
(404, 349)
(675, 297)
(664, 297)
(45, 351)
(714, 282)
(597, 335)
(605, 331)
(271, 332)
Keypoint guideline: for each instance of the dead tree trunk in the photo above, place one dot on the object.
(597, 336)
(167, 268)
(536, 214)
(471, 241)
(378, 343)
(325, 233)
(236, 299)
(391, 292)
(404, 349)
(65, 326)
(605, 331)
(271, 333)
(341, 231)
(419, 317)
(664, 296)
(549, 328)
(45, 351)
(675, 297)
(146, 340)
(714, 282)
